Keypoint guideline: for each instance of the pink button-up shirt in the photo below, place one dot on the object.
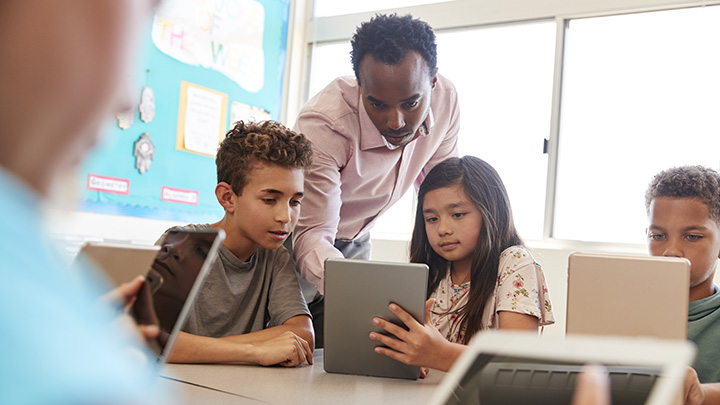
(355, 176)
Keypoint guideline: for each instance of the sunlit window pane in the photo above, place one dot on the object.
(503, 76)
(641, 94)
(328, 62)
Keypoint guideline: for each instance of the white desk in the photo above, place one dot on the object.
(298, 385)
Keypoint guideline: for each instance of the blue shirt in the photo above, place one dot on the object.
(58, 344)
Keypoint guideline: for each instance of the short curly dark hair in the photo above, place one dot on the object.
(696, 182)
(389, 38)
(248, 143)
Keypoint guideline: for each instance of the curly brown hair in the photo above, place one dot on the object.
(696, 182)
(249, 143)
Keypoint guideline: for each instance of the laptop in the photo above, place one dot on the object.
(120, 262)
(628, 296)
(356, 291)
(501, 367)
(173, 282)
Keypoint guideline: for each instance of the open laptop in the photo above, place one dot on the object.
(173, 282)
(628, 296)
(120, 262)
(520, 368)
(356, 291)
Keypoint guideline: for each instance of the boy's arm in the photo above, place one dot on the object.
(712, 393)
(286, 307)
(284, 348)
(300, 325)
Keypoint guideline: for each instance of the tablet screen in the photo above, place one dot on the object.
(494, 379)
(170, 281)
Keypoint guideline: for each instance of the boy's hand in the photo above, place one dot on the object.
(126, 294)
(421, 345)
(286, 350)
(693, 392)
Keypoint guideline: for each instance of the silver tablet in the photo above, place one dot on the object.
(356, 291)
(119, 262)
(173, 282)
(628, 296)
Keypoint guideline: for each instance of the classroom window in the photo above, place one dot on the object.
(641, 93)
(326, 8)
(329, 60)
(504, 82)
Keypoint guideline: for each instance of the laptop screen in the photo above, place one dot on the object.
(493, 379)
(172, 283)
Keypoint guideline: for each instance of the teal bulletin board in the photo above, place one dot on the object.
(231, 47)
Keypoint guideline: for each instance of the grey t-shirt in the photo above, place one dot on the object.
(242, 297)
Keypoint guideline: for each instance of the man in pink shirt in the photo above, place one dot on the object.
(373, 136)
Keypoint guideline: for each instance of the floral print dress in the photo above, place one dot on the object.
(520, 288)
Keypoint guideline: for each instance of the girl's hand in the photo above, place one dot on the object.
(421, 345)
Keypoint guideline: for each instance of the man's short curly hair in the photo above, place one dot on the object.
(249, 143)
(696, 182)
(389, 38)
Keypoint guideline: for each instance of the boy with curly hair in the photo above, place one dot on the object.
(683, 206)
(250, 308)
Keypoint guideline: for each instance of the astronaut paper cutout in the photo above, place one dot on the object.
(144, 153)
(147, 104)
(147, 101)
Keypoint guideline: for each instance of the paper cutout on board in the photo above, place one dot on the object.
(246, 113)
(201, 119)
(223, 35)
(147, 100)
(144, 153)
(147, 104)
(125, 119)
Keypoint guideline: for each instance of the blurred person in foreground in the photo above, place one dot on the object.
(61, 65)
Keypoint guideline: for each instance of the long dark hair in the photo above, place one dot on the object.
(483, 186)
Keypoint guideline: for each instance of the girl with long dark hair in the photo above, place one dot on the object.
(481, 275)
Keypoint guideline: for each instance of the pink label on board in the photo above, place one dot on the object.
(107, 184)
(180, 195)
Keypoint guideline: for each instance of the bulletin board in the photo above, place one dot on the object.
(235, 49)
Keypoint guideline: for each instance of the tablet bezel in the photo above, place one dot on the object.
(212, 255)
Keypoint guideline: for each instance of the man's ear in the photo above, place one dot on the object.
(225, 194)
(434, 81)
